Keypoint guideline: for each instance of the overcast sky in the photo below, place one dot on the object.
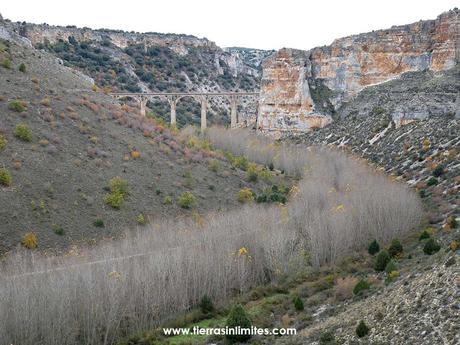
(256, 24)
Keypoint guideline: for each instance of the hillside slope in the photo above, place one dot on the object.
(143, 62)
(73, 141)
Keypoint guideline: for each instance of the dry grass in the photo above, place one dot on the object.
(293, 159)
(130, 285)
(343, 288)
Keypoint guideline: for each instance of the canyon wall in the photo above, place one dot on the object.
(181, 44)
(300, 90)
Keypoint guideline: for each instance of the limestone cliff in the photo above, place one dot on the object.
(301, 89)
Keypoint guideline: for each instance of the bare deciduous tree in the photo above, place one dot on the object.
(121, 287)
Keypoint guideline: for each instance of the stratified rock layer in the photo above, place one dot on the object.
(299, 89)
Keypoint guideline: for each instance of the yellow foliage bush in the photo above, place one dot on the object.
(393, 275)
(135, 154)
(265, 175)
(245, 195)
(3, 142)
(29, 241)
(167, 200)
(214, 165)
(186, 200)
(141, 219)
(118, 191)
(426, 144)
(5, 177)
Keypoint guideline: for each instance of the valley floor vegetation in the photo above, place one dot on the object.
(99, 294)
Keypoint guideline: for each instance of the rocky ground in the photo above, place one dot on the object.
(422, 308)
(412, 95)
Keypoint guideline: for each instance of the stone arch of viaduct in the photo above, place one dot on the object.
(202, 97)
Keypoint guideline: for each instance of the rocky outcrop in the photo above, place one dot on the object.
(38, 33)
(297, 85)
(286, 100)
(252, 57)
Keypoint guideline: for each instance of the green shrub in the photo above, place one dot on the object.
(382, 260)
(5, 177)
(17, 106)
(117, 184)
(378, 110)
(3, 142)
(214, 165)
(22, 67)
(374, 247)
(424, 235)
(362, 330)
(327, 338)
(361, 286)
(265, 175)
(395, 248)
(238, 317)
(186, 200)
(391, 267)
(167, 200)
(58, 230)
(118, 191)
(452, 222)
(298, 303)
(98, 223)
(245, 195)
(431, 246)
(252, 174)
(273, 194)
(141, 219)
(433, 181)
(240, 162)
(206, 305)
(438, 171)
(6, 63)
(422, 193)
(23, 132)
(114, 199)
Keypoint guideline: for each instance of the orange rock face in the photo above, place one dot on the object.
(348, 65)
(286, 102)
